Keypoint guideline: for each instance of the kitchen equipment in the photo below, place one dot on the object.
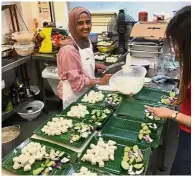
(145, 46)
(113, 68)
(143, 16)
(106, 49)
(10, 133)
(141, 62)
(6, 50)
(149, 31)
(9, 137)
(23, 37)
(129, 80)
(120, 26)
(31, 110)
(50, 73)
(34, 89)
(24, 50)
(144, 54)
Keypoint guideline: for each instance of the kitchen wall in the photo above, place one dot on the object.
(6, 21)
(29, 11)
(132, 8)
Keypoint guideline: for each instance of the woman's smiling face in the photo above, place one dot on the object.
(83, 26)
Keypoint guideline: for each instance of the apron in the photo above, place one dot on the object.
(88, 65)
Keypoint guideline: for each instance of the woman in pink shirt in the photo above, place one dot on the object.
(75, 60)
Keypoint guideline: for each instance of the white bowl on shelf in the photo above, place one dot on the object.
(31, 110)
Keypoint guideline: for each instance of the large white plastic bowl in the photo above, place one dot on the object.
(129, 80)
(31, 111)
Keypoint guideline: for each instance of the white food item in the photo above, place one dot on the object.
(65, 160)
(57, 126)
(15, 159)
(31, 161)
(111, 59)
(100, 153)
(101, 164)
(99, 57)
(84, 172)
(112, 157)
(28, 155)
(110, 142)
(93, 97)
(17, 165)
(104, 43)
(79, 111)
(27, 167)
(128, 85)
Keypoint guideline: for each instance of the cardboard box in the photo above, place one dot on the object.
(149, 30)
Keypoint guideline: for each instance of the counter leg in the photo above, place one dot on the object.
(41, 84)
(163, 147)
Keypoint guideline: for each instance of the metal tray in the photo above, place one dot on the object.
(145, 46)
(144, 54)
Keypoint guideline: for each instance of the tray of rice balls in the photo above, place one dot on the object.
(66, 130)
(148, 134)
(101, 98)
(87, 113)
(37, 157)
(136, 110)
(116, 156)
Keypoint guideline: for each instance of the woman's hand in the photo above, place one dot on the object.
(100, 67)
(105, 79)
(161, 112)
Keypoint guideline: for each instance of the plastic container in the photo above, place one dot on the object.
(23, 37)
(24, 50)
(143, 16)
(31, 110)
(50, 73)
(129, 80)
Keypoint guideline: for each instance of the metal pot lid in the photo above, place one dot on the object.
(10, 133)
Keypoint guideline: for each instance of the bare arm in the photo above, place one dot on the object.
(101, 81)
(167, 113)
(184, 119)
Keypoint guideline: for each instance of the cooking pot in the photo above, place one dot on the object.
(9, 137)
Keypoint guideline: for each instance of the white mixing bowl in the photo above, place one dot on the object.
(31, 110)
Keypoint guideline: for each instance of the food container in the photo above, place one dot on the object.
(24, 50)
(129, 80)
(31, 110)
(23, 37)
(6, 50)
(145, 46)
(144, 54)
(143, 16)
(9, 137)
(106, 49)
(141, 62)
